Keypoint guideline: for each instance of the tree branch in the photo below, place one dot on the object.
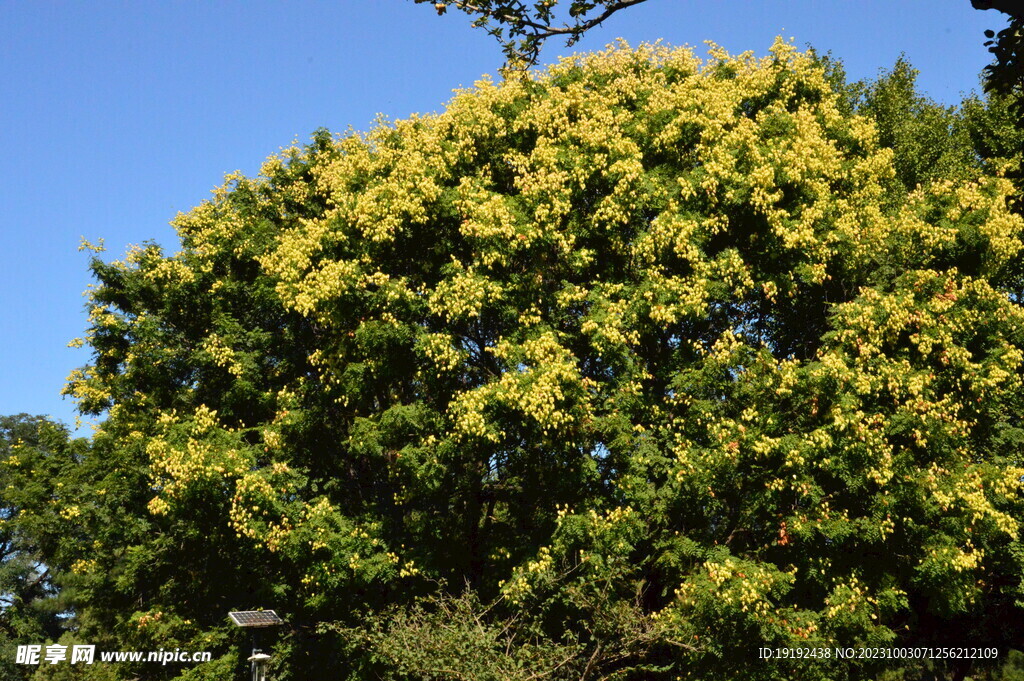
(528, 29)
(1011, 7)
(544, 31)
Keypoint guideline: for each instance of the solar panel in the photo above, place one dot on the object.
(256, 618)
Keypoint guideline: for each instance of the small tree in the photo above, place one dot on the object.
(35, 457)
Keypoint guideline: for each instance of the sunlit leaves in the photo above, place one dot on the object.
(660, 356)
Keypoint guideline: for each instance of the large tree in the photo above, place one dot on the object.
(621, 370)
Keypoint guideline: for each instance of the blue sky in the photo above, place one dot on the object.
(114, 116)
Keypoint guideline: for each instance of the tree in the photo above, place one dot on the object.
(630, 367)
(34, 453)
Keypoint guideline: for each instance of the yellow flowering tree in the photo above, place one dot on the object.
(620, 370)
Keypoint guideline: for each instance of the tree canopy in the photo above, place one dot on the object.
(616, 371)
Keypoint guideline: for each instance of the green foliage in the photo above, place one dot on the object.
(34, 454)
(655, 360)
(926, 138)
(1005, 75)
(454, 637)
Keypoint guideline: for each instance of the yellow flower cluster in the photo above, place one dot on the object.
(463, 295)
(222, 355)
(733, 582)
(544, 390)
(850, 596)
(84, 566)
(69, 512)
(250, 516)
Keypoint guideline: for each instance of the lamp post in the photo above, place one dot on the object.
(257, 619)
(259, 665)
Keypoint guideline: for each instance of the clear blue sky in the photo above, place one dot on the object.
(114, 116)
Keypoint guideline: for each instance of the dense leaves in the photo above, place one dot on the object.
(618, 371)
(33, 455)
